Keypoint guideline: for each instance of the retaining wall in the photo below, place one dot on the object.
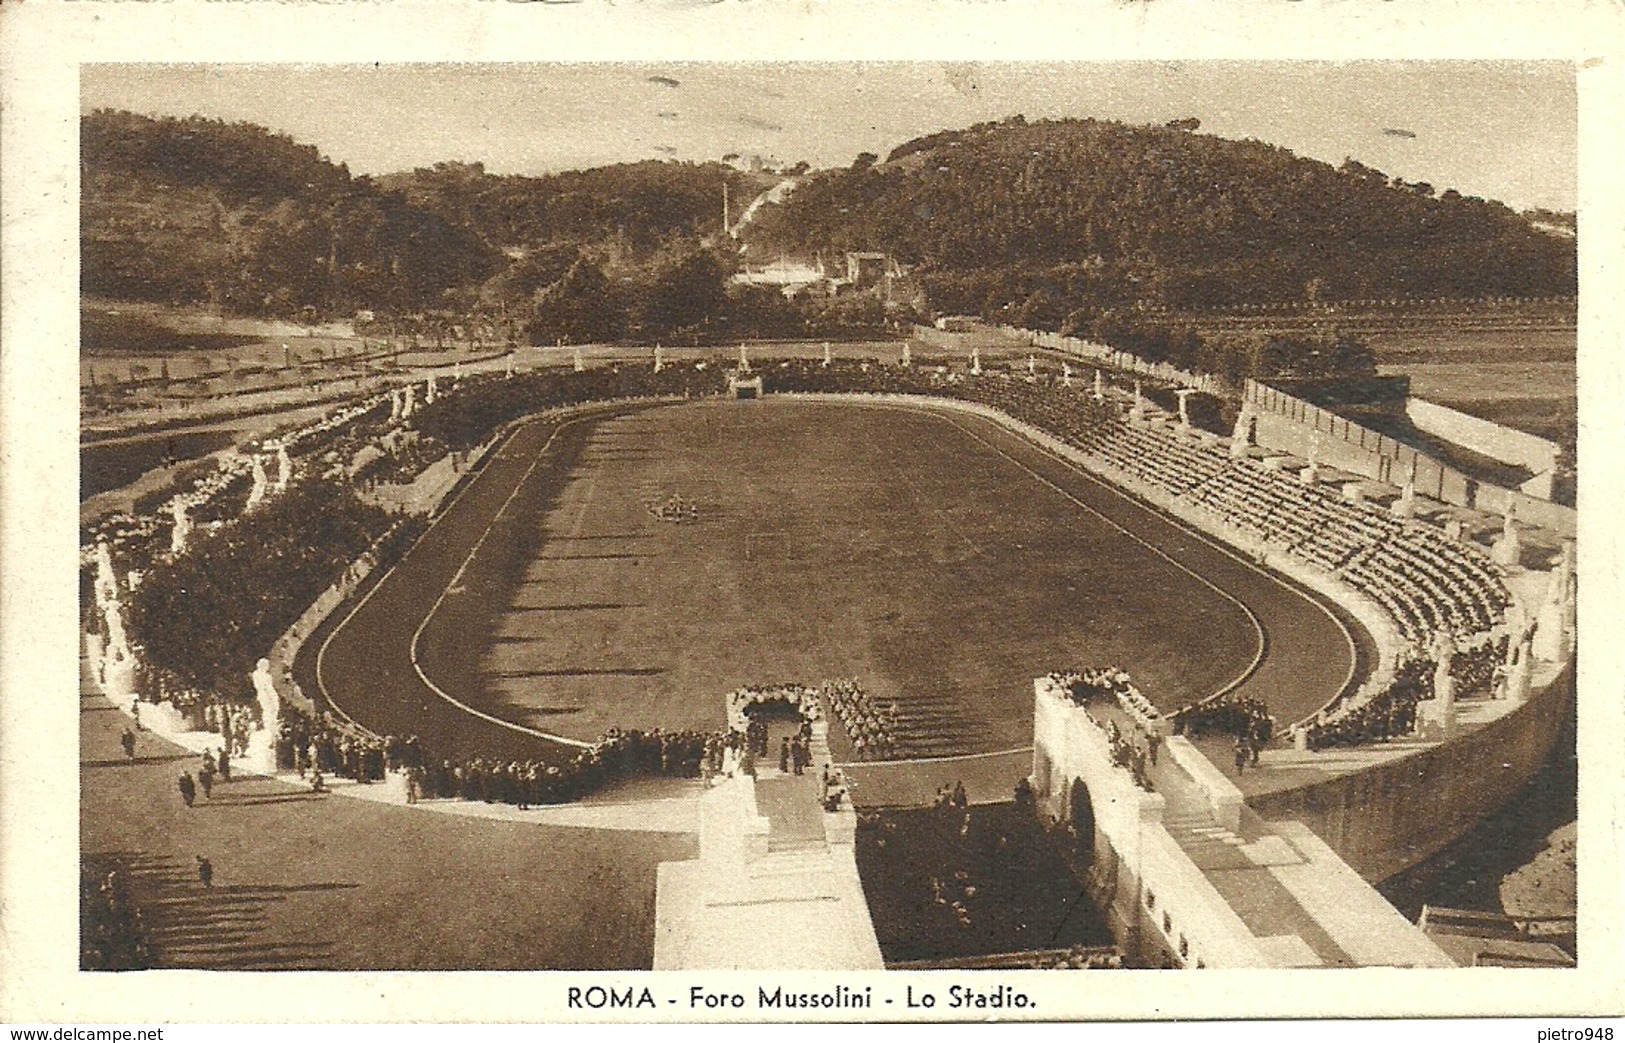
(1482, 436)
(1156, 902)
(1386, 818)
(1292, 425)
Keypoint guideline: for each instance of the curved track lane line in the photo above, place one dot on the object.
(946, 415)
(1228, 551)
(417, 635)
(444, 512)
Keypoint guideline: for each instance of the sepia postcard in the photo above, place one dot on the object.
(742, 513)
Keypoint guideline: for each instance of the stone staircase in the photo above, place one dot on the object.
(776, 885)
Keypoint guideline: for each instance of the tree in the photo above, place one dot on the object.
(582, 306)
(681, 296)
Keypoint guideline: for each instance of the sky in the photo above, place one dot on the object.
(1503, 130)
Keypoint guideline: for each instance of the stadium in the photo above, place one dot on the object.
(1062, 543)
(913, 545)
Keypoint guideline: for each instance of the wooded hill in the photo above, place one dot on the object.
(231, 214)
(1046, 217)
(1038, 223)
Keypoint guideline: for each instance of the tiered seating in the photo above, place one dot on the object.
(1425, 581)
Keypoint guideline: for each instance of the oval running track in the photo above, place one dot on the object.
(362, 658)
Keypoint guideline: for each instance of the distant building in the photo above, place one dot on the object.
(791, 277)
(867, 268)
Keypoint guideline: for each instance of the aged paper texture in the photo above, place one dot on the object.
(928, 523)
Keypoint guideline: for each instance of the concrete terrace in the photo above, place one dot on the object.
(776, 885)
(323, 882)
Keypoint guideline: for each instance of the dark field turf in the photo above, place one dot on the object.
(938, 559)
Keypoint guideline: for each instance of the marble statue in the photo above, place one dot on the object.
(257, 492)
(183, 526)
(1405, 506)
(1311, 474)
(1507, 551)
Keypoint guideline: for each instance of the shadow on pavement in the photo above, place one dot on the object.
(217, 928)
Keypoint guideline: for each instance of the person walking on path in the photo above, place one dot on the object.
(127, 740)
(205, 779)
(225, 765)
(205, 871)
(1243, 754)
(188, 788)
(784, 755)
(135, 711)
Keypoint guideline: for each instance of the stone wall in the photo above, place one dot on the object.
(1481, 436)
(1292, 425)
(1386, 818)
(1156, 901)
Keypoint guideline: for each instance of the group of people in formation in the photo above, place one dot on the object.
(1247, 720)
(674, 509)
(871, 727)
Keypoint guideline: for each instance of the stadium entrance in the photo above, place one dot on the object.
(745, 387)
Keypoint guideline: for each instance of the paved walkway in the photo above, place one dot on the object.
(303, 881)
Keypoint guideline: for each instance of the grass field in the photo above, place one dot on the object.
(1524, 379)
(831, 542)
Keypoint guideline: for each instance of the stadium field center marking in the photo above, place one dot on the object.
(934, 411)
